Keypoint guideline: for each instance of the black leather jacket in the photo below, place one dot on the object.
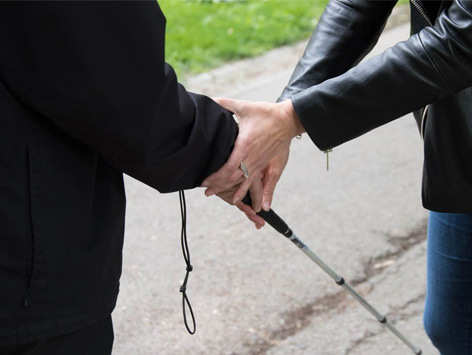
(338, 99)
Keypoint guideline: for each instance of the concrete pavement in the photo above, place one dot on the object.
(252, 291)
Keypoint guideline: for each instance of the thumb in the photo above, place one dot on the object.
(229, 104)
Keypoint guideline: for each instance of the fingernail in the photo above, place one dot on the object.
(205, 183)
(266, 206)
(209, 193)
(236, 200)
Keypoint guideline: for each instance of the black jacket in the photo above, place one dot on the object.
(337, 100)
(85, 95)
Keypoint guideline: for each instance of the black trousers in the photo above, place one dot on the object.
(94, 340)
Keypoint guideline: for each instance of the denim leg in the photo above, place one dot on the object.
(448, 308)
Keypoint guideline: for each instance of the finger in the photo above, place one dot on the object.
(257, 220)
(220, 178)
(236, 178)
(268, 187)
(272, 176)
(242, 191)
(256, 195)
(214, 190)
(250, 214)
(245, 208)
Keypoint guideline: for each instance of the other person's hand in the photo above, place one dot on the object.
(265, 130)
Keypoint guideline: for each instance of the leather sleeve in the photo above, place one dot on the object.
(430, 65)
(345, 33)
(97, 70)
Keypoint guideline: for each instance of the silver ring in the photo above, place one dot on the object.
(243, 167)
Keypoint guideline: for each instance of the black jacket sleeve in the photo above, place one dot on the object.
(430, 65)
(97, 69)
(346, 33)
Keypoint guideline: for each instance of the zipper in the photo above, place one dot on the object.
(327, 151)
(423, 120)
(422, 11)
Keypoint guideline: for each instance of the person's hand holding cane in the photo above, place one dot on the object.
(266, 130)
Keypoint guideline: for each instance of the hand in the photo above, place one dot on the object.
(265, 129)
(270, 177)
(255, 191)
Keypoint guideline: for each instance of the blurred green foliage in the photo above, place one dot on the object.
(202, 34)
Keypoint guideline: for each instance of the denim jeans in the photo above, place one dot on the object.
(448, 308)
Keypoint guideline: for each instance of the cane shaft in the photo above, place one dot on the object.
(279, 224)
(352, 291)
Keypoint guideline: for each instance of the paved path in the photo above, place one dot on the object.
(252, 291)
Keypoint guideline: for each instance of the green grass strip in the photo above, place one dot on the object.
(204, 34)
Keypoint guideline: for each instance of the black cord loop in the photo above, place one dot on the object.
(186, 253)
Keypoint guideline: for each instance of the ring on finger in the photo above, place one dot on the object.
(243, 167)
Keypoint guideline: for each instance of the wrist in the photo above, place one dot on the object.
(290, 119)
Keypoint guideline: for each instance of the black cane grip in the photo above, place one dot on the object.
(270, 217)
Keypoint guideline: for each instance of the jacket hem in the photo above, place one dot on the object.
(25, 331)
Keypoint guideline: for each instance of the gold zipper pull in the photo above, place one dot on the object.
(327, 158)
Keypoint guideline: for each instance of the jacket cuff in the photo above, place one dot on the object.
(320, 130)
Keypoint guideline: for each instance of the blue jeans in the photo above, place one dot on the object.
(448, 308)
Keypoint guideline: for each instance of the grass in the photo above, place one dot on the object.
(204, 34)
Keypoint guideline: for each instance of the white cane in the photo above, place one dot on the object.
(280, 226)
